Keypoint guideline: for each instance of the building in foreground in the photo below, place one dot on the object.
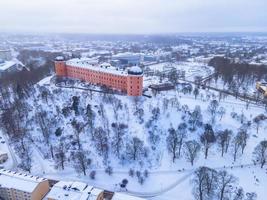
(130, 81)
(19, 186)
(81, 191)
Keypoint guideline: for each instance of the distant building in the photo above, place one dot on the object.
(7, 66)
(162, 87)
(151, 58)
(128, 59)
(81, 191)
(10, 66)
(130, 81)
(19, 186)
(3, 157)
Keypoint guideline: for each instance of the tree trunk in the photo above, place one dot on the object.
(206, 153)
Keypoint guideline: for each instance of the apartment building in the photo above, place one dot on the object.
(19, 186)
(129, 81)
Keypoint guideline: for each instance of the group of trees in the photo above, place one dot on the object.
(238, 76)
(225, 140)
(217, 185)
(114, 137)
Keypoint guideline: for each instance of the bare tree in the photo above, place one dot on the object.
(212, 109)
(117, 140)
(101, 141)
(207, 139)
(204, 182)
(236, 146)
(75, 104)
(223, 140)
(181, 135)
(80, 161)
(221, 112)
(135, 148)
(225, 183)
(196, 92)
(26, 159)
(242, 137)
(60, 155)
(173, 143)
(260, 153)
(90, 116)
(192, 149)
(45, 124)
(195, 118)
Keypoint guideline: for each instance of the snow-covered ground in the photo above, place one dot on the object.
(191, 69)
(166, 180)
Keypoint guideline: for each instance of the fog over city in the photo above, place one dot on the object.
(128, 16)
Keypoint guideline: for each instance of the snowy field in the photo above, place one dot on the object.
(166, 180)
(191, 69)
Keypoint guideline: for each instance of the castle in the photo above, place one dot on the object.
(130, 81)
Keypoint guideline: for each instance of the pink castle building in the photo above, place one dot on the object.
(130, 81)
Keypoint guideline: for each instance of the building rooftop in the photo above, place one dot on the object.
(68, 190)
(59, 58)
(104, 67)
(6, 65)
(19, 181)
(135, 70)
(2, 152)
(73, 191)
(127, 55)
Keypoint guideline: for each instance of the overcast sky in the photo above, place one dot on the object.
(133, 16)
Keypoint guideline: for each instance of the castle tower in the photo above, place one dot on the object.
(135, 81)
(60, 66)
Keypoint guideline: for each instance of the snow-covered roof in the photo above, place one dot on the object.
(2, 153)
(105, 67)
(19, 181)
(70, 191)
(136, 69)
(6, 65)
(59, 58)
(127, 55)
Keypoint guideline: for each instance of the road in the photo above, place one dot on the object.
(178, 179)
